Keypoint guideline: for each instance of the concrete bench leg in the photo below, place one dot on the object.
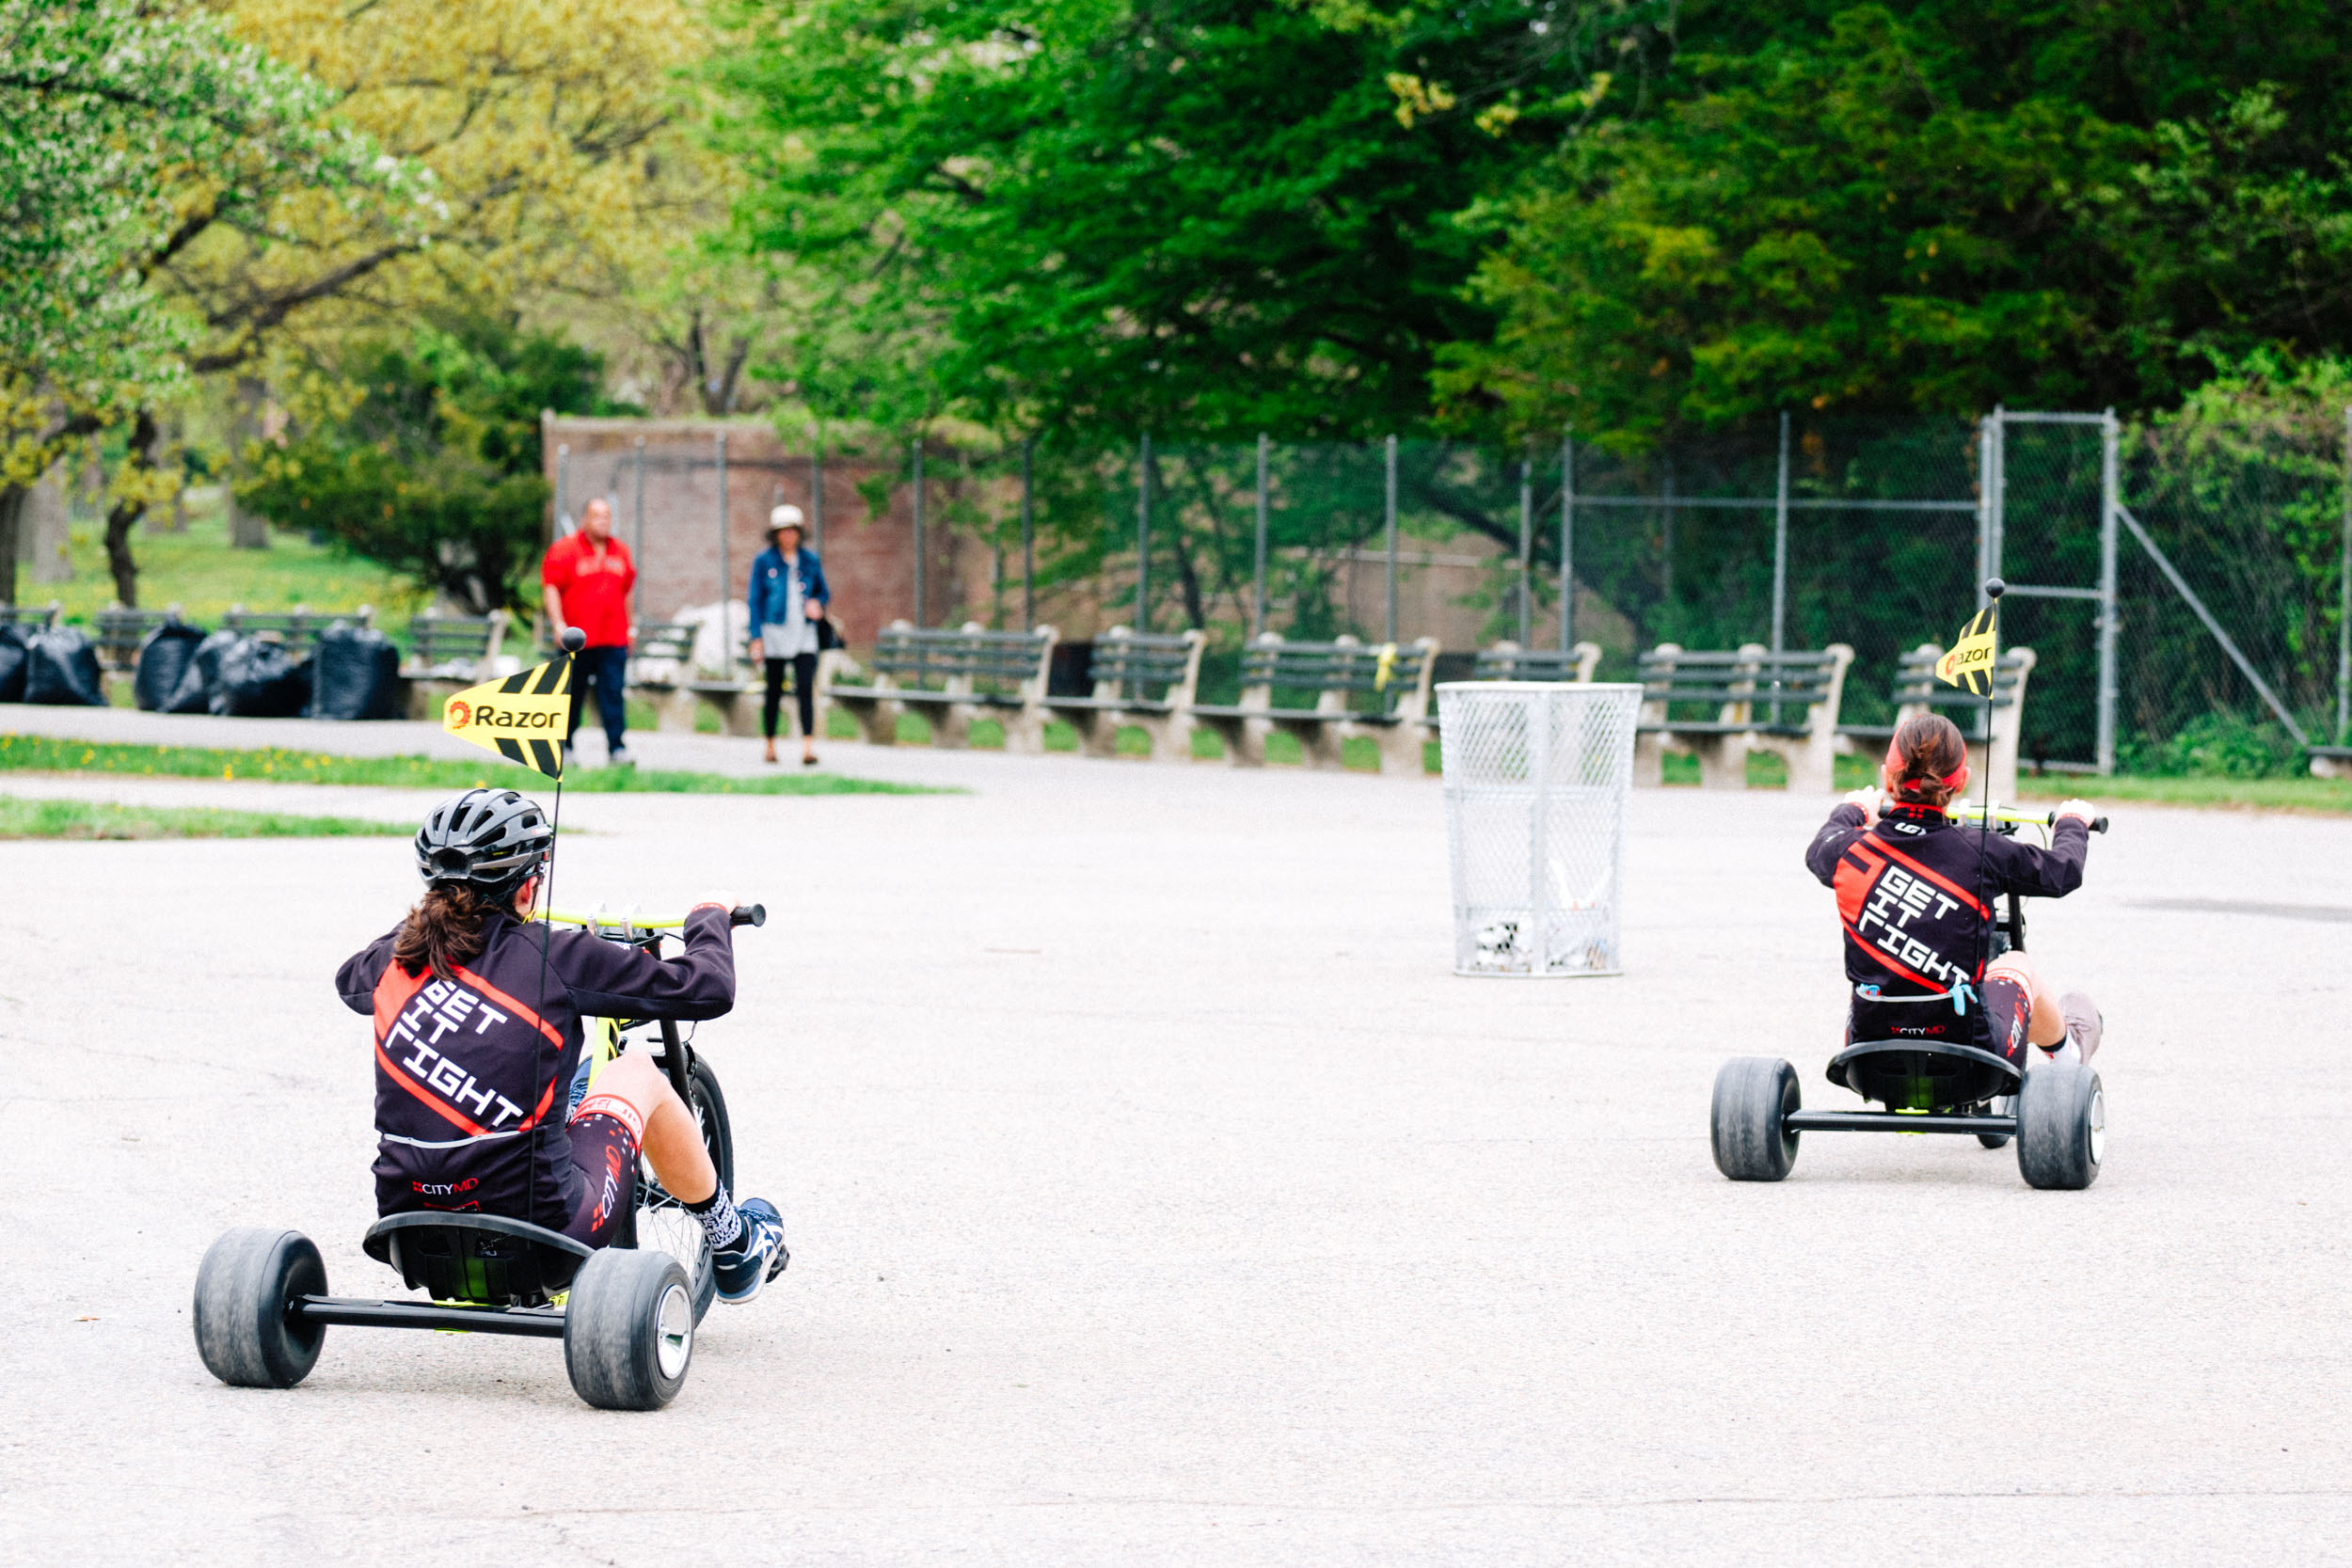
(1098, 732)
(672, 707)
(1650, 760)
(877, 719)
(1024, 730)
(737, 710)
(2330, 768)
(1318, 743)
(951, 723)
(1723, 761)
(1400, 748)
(1812, 765)
(1244, 739)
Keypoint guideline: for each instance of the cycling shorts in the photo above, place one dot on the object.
(606, 1134)
(2008, 1009)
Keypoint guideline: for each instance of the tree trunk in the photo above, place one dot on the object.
(246, 530)
(124, 514)
(11, 511)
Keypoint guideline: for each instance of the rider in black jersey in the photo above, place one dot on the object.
(477, 1014)
(1915, 895)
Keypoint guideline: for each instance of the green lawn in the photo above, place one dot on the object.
(96, 819)
(43, 754)
(196, 570)
(2326, 796)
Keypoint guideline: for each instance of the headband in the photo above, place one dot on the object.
(1949, 781)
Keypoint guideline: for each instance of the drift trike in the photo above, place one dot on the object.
(2056, 1112)
(626, 1314)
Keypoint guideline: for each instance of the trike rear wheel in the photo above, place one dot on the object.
(660, 1223)
(244, 1289)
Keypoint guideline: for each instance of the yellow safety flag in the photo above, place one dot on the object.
(1970, 663)
(522, 717)
(1385, 668)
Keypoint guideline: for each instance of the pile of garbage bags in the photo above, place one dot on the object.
(353, 673)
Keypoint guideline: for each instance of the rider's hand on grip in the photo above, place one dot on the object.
(2081, 811)
(1869, 800)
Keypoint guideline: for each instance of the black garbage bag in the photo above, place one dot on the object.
(261, 680)
(355, 674)
(163, 660)
(61, 668)
(12, 663)
(201, 678)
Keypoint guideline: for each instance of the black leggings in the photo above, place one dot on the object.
(804, 692)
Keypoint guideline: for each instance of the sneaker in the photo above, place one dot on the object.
(619, 757)
(758, 1256)
(2084, 1024)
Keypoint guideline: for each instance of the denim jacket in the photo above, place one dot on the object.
(768, 595)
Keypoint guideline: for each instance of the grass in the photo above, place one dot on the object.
(88, 819)
(44, 753)
(197, 570)
(2328, 796)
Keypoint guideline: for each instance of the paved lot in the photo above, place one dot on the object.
(1158, 1197)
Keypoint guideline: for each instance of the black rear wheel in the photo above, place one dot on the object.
(245, 1289)
(1748, 1125)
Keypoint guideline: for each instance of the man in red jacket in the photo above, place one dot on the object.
(587, 579)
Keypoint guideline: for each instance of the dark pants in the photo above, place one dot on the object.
(804, 693)
(607, 669)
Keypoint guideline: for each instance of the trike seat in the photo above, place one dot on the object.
(488, 1259)
(1923, 1075)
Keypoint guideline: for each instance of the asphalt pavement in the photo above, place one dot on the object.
(1158, 1195)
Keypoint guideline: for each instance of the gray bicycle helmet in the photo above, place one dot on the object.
(489, 838)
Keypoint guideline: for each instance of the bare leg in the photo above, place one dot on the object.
(2045, 1026)
(672, 1146)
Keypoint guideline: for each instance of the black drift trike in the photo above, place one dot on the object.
(626, 1314)
(2057, 1113)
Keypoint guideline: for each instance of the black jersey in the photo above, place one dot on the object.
(1915, 895)
(467, 1070)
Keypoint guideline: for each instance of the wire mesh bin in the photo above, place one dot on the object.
(1538, 781)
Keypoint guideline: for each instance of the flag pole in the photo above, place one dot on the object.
(572, 640)
(1994, 589)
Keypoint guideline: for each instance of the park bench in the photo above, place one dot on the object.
(447, 654)
(1391, 682)
(1144, 679)
(1755, 701)
(298, 628)
(121, 631)
(2331, 762)
(1508, 661)
(661, 669)
(1999, 718)
(31, 617)
(952, 678)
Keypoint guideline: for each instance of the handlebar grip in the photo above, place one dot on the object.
(748, 914)
(2098, 824)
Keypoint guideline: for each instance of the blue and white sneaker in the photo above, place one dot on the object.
(758, 1256)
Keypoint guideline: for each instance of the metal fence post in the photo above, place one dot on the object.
(1257, 620)
(1143, 537)
(1527, 549)
(1568, 539)
(1028, 540)
(2110, 497)
(1666, 543)
(1988, 433)
(2343, 610)
(1391, 635)
(918, 531)
(727, 571)
(563, 489)
(636, 589)
(1780, 547)
(816, 497)
(1996, 505)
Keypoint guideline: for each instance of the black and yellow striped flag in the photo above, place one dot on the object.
(1970, 663)
(522, 717)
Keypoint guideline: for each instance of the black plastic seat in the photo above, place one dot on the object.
(1923, 1075)
(485, 1259)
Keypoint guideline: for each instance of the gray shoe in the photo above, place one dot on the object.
(2084, 1024)
(619, 757)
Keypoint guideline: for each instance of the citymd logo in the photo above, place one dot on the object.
(458, 714)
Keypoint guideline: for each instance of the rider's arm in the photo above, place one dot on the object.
(355, 981)
(1821, 857)
(609, 981)
(2039, 873)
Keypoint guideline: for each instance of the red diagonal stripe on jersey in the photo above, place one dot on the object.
(478, 983)
(392, 994)
(1929, 874)
(435, 1102)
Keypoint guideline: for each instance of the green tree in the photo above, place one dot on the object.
(435, 470)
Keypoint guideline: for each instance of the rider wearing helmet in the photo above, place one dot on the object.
(477, 1014)
(1916, 892)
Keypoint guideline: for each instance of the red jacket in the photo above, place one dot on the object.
(466, 1110)
(595, 585)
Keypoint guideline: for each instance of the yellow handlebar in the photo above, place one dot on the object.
(622, 922)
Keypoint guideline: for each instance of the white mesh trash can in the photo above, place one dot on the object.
(1538, 779)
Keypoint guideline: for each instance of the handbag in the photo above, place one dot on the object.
(827, 639)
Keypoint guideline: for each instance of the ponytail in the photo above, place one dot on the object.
(446, 929)
(1925, 758)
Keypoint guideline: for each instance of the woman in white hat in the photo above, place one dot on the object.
(788, 600)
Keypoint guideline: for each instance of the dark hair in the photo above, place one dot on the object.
(447, 928)
(1927, 749)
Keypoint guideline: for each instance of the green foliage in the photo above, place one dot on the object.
(435, 471)
(88, 819)
(2218, 745)
(1101, 216)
